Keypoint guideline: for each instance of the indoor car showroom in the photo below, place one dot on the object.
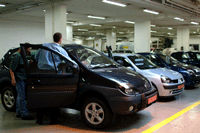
(99, 66)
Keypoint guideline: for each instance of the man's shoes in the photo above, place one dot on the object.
(18, 116)
(40, 122)
(28, 117)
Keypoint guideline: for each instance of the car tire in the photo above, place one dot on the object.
(95, 113)
(8, 98)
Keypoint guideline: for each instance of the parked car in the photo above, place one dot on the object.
(190, 73)
(93, 84)
(189, 57)
(166, 81)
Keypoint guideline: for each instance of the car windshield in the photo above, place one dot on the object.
(141, 62)
(169, 59)
(92, 58)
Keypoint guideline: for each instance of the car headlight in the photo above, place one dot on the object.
(127, 88)
(165, 79)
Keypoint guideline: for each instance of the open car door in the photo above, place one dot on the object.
(56, 88)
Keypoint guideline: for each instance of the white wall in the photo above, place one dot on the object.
(192, 40)
(15, 30)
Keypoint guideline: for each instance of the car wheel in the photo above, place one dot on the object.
(8, 98)
(95, 113)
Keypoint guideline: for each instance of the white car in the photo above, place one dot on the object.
(166, 81)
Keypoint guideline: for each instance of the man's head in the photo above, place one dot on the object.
(57, 37)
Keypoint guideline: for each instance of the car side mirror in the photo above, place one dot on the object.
(120, 62)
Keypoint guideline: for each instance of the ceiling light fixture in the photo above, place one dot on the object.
(180, 19)
(114, 3)
(121, 32)
(153, 31)
(195, 23)
(2, 5)
(82, 29)
(194, 32)
(44, 10)
(70, 22)
(66, 13)
(130, 22)
(89, 16)
(168, 33)
(99, 33)
(95, 25)
(170, 28)
(153, 25)
(149, 11)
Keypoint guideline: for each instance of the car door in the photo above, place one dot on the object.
(57, 88)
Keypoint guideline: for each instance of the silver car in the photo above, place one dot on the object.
(166, 81)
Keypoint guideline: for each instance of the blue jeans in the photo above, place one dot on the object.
(21, 102)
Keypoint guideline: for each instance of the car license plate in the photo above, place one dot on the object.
(152, 99)
(180, 86)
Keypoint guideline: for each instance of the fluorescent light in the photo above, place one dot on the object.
(44, 10)
(95, 17)
(99, 33)
(82, 29)
(114, 3)
(70, 22)
(1, 5)
(129, 22)
(194, 32)
(95, 25)
(121, 32)
(149, 11)
(195, 23)
(153, 25)
(169, 33)
(153, 31)
(170, 28)
(180, 19)
(66, 13)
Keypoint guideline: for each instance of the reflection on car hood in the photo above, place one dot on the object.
(161, 71)
(125, 75)
(184, 66)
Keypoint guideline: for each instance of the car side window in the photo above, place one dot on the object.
(185, 56)
(38, 64)
(155, 60)
(126, 63)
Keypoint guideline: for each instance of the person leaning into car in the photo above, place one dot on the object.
(44, 58)
(46, 65)
(18, 79)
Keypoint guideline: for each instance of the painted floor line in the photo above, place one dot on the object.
(159, 125)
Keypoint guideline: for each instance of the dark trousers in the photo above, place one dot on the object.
(52, 113)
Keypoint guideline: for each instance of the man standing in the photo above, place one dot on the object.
(44, 57)
(18, 79)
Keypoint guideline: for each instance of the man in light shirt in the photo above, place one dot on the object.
(44, 57)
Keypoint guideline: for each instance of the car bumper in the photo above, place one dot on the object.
(192, 80)
(131, 104)
(172, 90)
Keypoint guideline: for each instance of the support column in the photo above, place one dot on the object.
(69, 31)
(55, 21)
(97, 44)
(111, 39)
(142, 36)
(183, 35)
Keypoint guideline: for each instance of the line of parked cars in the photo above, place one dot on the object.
(98, 86)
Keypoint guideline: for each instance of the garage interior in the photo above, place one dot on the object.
(24, 21)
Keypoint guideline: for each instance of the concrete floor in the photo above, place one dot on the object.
(138, 122)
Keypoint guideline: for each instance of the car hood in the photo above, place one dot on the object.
(161, 71)
(124, 75)
(183, 66)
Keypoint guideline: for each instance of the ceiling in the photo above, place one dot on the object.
(78, 10)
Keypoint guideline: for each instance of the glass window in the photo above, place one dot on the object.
(57, 63)
(169, 59)
(93, 59)
(141, 62)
